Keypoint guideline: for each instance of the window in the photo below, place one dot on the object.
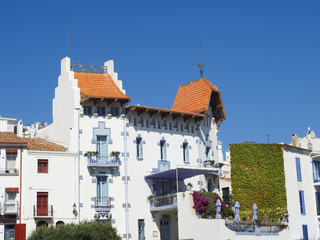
(298, 168)
(302, 205)
(147, 123)
(102, 191)
(11, 156)
(102, 147)
(42, 204)
(185, 148)
(316, 171)
(305, 232)
(159, 124)
(101, 111)
(163, 150)
(42, 166)
(87, 110)
(139, 147)
(141, 235)
(115, 112)
(208, 150)
(318, 202)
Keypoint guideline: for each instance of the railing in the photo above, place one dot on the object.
(9, 171)
(102, 202)
(167, 200)
(103, 161)
(44, 212)
(11, 207)
(252, 227)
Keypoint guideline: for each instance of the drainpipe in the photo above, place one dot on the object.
(78, 134)
(20, 192)
(126, 175)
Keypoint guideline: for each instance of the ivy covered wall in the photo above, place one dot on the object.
(257, 173)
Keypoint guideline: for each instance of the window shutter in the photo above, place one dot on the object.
(298, 167)
(302, 203)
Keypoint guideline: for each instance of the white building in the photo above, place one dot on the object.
(158, 149)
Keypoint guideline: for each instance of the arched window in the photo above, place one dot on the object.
(42, 224)
(59, 223)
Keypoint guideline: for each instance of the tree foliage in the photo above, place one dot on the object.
(257, 172)
(82, 231)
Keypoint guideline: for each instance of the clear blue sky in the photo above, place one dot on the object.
(264, 56)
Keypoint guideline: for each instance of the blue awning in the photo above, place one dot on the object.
(183, 173)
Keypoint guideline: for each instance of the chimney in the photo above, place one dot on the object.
(295, 140)
(19, 128)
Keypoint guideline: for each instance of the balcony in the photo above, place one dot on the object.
(95, 160)
(11, 207)
(9, 171)
(166, 202)
(102, 204)
(43, 212)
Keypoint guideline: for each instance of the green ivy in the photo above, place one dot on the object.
(257, 173)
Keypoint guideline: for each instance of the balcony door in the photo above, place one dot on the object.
(102, 191)
(165, 227)
(102, 147)
(42, 204)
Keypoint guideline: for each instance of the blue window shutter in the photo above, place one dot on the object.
(298, 167)
(302, 205)
(305, 232)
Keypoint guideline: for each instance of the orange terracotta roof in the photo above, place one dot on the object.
(31, 143)
(197, 96)
(40, 144)
(166, 112)
(99, 85)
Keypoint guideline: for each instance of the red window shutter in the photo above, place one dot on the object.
(12, 190)
(11, 151)
(42, 166)
(42, 204)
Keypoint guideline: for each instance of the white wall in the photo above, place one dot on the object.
(296, 219)
(59, 182)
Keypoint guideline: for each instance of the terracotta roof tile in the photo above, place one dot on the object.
(32, 143)
(10, 137)
(195, 97)
(40, 144)
(98, 85)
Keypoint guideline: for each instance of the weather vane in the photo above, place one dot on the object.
(200, 65)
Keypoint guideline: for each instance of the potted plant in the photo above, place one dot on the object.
(114, 153)
(150, 197)
(90, 153)
(189, 186)
(208, 163)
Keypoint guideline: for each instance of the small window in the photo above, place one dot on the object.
(147, 123)
(208, 151)
(115, 111)
(192, 128)
(163, 150)
(159, 124)
(302, 204)
(185, 152)
(305, 232)
(42, 166)
(298, 168)
(101, 111)
(87, 110)
(141, 233)
(139, 147)
(135, 121)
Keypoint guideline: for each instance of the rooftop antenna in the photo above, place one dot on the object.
(200, 65)
(68, 43)
(268, 135)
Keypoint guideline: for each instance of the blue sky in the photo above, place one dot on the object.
(264, 56)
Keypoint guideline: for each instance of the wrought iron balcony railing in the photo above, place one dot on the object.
(252, 227)
(102, 202)
(43, 211)
(9, 171)
(95, 160)
(161, 201)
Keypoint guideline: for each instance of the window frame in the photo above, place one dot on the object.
(298, 169)
(302, 202)
(163, 150)
(43, 166)
(185, 149)
(139, 151)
